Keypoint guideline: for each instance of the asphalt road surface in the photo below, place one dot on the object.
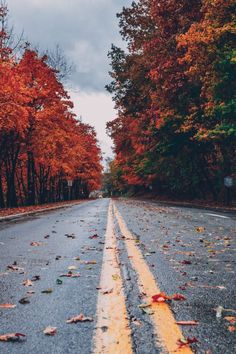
(105, 260)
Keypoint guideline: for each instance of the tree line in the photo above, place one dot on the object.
(42, 143)
(174, 89)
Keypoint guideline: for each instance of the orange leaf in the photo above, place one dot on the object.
(7, 306)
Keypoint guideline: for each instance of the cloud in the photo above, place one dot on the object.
(84, 29)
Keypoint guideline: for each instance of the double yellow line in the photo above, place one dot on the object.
(113, 334)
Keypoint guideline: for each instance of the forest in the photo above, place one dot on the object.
(174, 90)
(42, 143)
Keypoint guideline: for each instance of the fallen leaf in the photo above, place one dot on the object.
(186, 341)
(11, 337)
(27, 282)
(107, 291)
(47, 291)
(115, 277)
(187, 323)
(93, 236)
(147, 310)
(72, 267)
(161, 297)
(36, 278)
(59, 281)
(186, 262)
(79, 318)
(178, 297)
(90, 262)
(35, 244)
(200, 229)
(231, 329)
(24, 301)
(14, 268)
(70, 275)
(50, 331)
(230, 319)
(7, 306)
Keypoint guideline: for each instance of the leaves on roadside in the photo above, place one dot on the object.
(178, 297)
(186, 341)
(50, 331)
(27, 282)
(70, 275)
(93, 236)
(36, 244)
(161, 297)
(230, 319)
(24, 300)
(115, 277)
(11, 337)
(70, 236)
(47, 291)
(72, 268)
(200, 229)
(36, 278)
(15, 268)
(7, 306)
(59, 281)
(231, 329)
(79, 318)
(107, 291)
(187, 323)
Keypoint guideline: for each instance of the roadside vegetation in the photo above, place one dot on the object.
(174, 89)
(42, 143)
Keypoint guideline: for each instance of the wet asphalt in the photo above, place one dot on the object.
(189, 251)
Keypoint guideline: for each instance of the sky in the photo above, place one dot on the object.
(85, 30)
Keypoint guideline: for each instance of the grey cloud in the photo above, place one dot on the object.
(84, 29)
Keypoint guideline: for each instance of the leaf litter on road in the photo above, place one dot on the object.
(50, 331)
(79, 318)
(7, 306)
(11, 337)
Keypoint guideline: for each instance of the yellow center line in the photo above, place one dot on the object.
(113, 335)
(166, 330)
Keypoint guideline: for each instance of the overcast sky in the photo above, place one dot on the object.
(84, 29)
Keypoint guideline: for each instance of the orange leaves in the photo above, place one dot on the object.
(7, 306)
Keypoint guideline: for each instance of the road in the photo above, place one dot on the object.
(121, 253)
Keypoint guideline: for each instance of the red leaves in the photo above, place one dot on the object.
(70, 275)
(178, 297)
(162, 297)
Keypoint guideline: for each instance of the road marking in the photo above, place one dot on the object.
(166, 330)
(218, 216)
(113, 335)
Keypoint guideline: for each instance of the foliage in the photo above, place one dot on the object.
(175, 93)
(42, 144)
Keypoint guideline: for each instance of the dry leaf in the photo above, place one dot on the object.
(27, 282)
(35, 244)
(186, 341)
(187, 323)
(11, 337)
(72, 267)
(178, 297)
(231, 329)
(70, 275)
(47, 291)
(161, 297)
(230, 319)
(50, 331)
(200, 229)
(79, 318)
(7, 306)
